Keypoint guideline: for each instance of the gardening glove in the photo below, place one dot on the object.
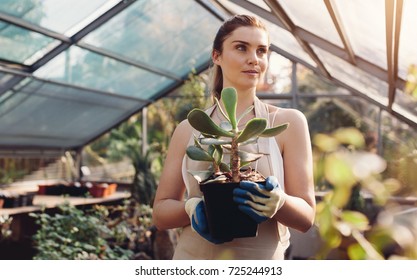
(197, 213)
(260, 202)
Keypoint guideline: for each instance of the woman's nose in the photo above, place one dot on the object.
(253, 58)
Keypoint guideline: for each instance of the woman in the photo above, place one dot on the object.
(240, 58)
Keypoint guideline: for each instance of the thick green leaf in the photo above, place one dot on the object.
(341, 196)
(324, 218)
(325, 143)
(253, 128)
(273, 131)
(208, 135)
(214, 141)
(338, 171)
(218, 154)
(226, 125)
(332, 238)
(356, 252)
(199, 120)
(224, 167)
(244, 163)
(356, 220)
(250, 141)
(210, 150)
(197, 153)
(196, 142)
(229, 99)
(249, 157)
(350, 136)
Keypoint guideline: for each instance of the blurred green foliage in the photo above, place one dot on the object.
(341, 163)
(100, 232)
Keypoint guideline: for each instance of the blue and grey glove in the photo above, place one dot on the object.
(260, 202)
(197, 213)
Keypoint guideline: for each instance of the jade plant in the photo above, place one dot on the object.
(215, 139)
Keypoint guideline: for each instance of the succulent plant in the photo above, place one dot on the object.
(216, 138)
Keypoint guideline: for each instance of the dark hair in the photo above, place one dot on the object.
(224, 31)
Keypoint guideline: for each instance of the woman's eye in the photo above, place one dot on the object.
(241, 47)
(262, 51)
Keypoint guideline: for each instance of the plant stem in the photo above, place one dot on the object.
(235, 160)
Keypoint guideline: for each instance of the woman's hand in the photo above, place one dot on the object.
(197, 213)
(260, 202)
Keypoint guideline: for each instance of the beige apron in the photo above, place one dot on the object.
(272, 239)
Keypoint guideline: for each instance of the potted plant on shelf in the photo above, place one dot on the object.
(217, 183)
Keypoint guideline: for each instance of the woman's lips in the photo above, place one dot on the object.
(251, 72)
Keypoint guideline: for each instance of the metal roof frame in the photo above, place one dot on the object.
(278, 15)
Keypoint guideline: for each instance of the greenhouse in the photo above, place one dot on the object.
(92, 91)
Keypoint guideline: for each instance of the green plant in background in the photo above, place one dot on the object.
(127, 142)
(131, 226)
(403, 166)
(232, 139)
(175, 108)
(11, 174)
(411, 84)
(341, 162)
(75, 234)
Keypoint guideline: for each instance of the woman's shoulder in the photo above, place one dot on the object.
(282, 115)
(297, 125)
(183, 127)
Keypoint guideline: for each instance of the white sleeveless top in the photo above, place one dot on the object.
(272, 239)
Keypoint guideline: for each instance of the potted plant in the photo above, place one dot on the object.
(217, 183)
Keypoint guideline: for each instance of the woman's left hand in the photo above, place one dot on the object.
(260, 202)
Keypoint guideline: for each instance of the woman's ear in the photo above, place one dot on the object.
(215, 57)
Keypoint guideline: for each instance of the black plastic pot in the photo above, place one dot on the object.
(26, 199)
(11, 201)
(225, 220)
(74, 190)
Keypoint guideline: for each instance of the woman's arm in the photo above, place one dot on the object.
(168, 207)
(298, 211)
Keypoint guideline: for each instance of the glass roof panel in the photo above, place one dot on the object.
(286, 41)
(310, 83)
(407, 50)
(18, 44)
(87, 69)
(56, 15)
(364, 22)
(315, 19)
(398, 132)
(354, 77)
(279, 37)
(261, 4)
(51, 115)
(147, 47)
(157, 33)
(4, 78)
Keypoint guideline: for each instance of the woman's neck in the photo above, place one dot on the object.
(245, 98)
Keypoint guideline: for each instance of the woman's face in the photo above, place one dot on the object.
(244, 58)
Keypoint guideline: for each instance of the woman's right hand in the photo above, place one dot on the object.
(197, 213)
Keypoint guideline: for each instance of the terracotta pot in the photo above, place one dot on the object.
(102, 190)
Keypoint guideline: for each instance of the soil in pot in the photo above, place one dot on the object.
(225, 220)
